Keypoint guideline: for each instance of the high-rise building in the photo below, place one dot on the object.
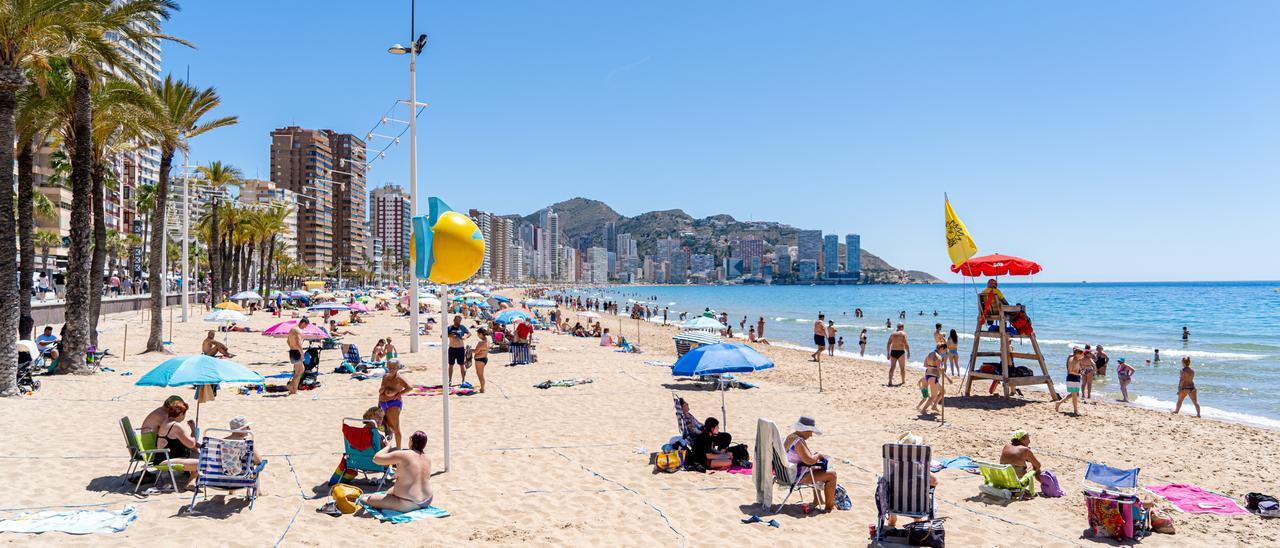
(349, 217)
(830, 253)
(809, 245)
(751, 248)
(611, 236)
(326, 171)
(499, 241)
(553, 257)
(390, 222)
(853, 253)
(702, 263)
(257, 193)
(782, 258)
(597, 265)
(807, 269)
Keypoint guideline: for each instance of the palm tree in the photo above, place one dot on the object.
(28, 30)
(88, 48)
(273, 222)
(179, 118)
(218, 176)
(32, 127)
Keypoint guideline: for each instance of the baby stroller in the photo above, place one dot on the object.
(310, 369)
(29, 358)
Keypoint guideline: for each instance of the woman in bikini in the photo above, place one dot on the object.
(380, 351)
(480, 355)
(1186, 386)
(393, 387)
(177, 434)
(935, 372)
(862, 343)
(953, 352)
(412, 489)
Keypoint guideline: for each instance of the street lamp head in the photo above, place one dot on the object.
(398, 50)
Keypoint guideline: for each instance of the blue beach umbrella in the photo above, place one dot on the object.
(704, 323)
(198, 369)
(501, 299)
(718, 359)
(513, 314)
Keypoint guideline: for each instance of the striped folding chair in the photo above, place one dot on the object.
(228, 465)
(904, 488)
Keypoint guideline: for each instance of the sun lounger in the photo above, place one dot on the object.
(904, 489)
(227, 465)
(1001, 481)
(143, 455)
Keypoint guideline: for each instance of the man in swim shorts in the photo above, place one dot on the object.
(819, 337)
(899, 351)
(457, 348)
(1075, 364)
(295, 354)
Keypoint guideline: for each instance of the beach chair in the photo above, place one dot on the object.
(227, 465)
(771, 468)
(1112, 504)
(1001, 481)
(686, 424)
(143, 455)
(363, 433)
(904, 489)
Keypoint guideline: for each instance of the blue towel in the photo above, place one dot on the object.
(401, 517)
(280, 376)
(959, 463)
(78, 522)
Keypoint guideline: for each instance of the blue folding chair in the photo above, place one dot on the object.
(1112, 478)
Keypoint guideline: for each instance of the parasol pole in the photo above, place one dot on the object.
(724, 419)
(444, 364)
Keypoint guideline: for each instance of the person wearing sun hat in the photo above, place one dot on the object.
(811, 466)
(1017, 453)
(239, 426)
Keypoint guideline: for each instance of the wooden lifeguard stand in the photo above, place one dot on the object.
(1000, 315)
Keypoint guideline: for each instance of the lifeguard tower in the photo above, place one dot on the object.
(994, 321)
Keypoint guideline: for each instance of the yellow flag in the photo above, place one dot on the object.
(960, 245)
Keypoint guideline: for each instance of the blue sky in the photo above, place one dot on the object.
(1107, 140)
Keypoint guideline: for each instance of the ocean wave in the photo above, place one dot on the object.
(1179, 352)
(1209, 412)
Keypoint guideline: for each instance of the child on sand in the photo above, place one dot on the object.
(1186, 386)
(923, 384)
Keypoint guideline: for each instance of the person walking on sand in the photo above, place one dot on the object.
(1186, 386)
(862, 342)
(831, 337)
(1088, 370)
(819, 337)
(1124, 372)
(899, 351)
(390, 392)
(1075, 364)
(760, 327)
(294, 340)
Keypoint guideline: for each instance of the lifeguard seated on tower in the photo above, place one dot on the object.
(990, 302)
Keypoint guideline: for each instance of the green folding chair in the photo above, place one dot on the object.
(1001, 481)
(143, 455)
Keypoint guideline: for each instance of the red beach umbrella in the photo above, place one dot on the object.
(997, 265)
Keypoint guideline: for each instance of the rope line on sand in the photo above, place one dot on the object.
(683, 539)
(555, 447)
(288, 527)
(293, 471)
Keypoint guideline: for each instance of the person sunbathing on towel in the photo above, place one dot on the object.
(412, 489)
(238, 328)
(212, 347)
(1017, 453)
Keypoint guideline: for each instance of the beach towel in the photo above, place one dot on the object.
(561, 383)
(464, 389)
(402, 517)
(965, 464)
(78, 522)
(658, 363)
(280, 376)
(1194, 500)
(342, 474)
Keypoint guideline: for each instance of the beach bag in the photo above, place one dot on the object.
(1252, 500)
(669, 461)
(1049, 486)
(719, 461)
(1269, 509)
(1161, 523)
(842, 498)
(926, 533)
(1020, 371)
(1021, 323)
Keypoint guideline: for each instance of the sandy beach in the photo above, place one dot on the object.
(570, 465)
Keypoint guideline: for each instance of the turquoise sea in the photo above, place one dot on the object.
(1234, 345)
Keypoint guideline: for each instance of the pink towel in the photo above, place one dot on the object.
(1194, 500)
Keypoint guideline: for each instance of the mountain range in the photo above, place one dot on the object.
(582, 218)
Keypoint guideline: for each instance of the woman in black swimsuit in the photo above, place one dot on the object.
(178, 436)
